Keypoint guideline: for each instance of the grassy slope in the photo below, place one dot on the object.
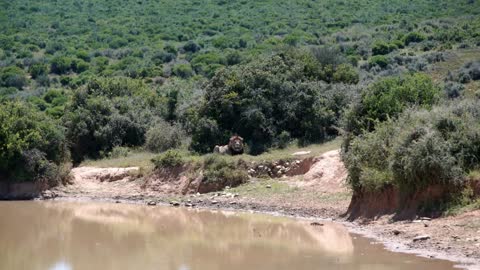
(142, 159)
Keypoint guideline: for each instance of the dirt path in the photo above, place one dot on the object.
(320, 193)
(102, 183)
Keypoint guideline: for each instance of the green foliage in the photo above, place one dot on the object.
(60, 65)
(168, 159)
(37, 70)
(183, 71)
(13, 77)
(419, 149)
(382, 48)
(164, 136)
(388, 97)
(109, 113)
(223, 172)
(32, 145)
(346, 74)
(260, 100)
(414, 37)
(379, 60)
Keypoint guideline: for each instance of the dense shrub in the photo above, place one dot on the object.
(109, 113)
(169, 159)
(183, 71)
(191, 46)
(413, 37)
(32, 145)
(164, 136)
(13, 77)
(470, 71)
(222, 172)
(387, 98)
(419, 149)
(260, 100)
(382, 48)
(378, 60)
(37, 70)
(60, 65)
(453, 89)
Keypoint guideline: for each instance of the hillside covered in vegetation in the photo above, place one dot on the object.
(399, 81)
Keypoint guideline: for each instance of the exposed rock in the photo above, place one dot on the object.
(174, 203)
(152, 203)
(396, 232)
(268, 186)
(421, 238)
(316, 224)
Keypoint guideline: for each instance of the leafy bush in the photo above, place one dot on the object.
(32, 145)
(37, 70)
(387, 98)
(419, 149)
(109, 113)
(60, 65)
(222, 172)
(169, 159)
(382, 48)
(164, 136)
(378, 60)
(13, 77)
(191, 46)
(413, 37)
(261, 99)
(183, 70)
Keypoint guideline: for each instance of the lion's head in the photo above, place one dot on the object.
(235, 144)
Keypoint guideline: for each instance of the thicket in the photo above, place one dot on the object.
(108, 113)
(291, 91)
(32, 146)
(386, 98)
(421, 148)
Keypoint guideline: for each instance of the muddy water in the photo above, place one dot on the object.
(68, 236)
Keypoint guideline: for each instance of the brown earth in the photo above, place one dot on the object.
(320, 193)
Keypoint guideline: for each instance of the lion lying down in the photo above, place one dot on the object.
(234, 147)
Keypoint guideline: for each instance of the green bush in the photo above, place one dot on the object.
(164, 136)
(183, 71)
(413, 37)
(382, 48)
(388, 97)
(169, 159)
(379, 60)
(60, 65)
(13, 77)
(259, 100)
(222, 172)
(108, 113)
(32, 146)
(37, 70)
(417, 150)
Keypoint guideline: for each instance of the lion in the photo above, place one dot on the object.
(234, 147)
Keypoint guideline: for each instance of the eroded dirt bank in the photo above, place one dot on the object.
(320, 194)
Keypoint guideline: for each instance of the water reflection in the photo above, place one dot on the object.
(64, 236)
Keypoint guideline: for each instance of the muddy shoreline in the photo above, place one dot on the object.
(391, 241)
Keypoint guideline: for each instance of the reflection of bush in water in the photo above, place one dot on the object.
(204, 225)
(79, 232)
